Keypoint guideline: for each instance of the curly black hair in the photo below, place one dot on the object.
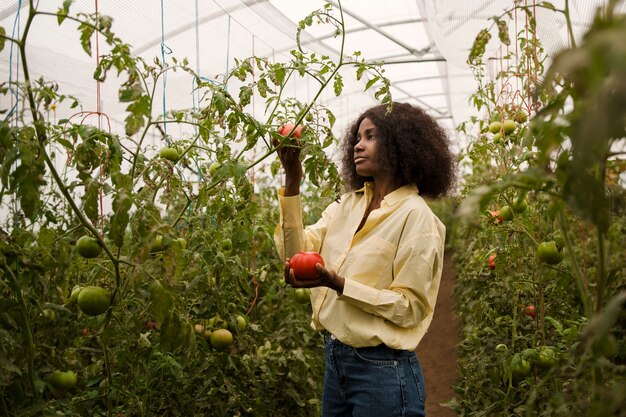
(413, 147)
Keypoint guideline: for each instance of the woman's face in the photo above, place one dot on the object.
(366, 150)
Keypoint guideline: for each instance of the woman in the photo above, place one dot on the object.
(383, 252)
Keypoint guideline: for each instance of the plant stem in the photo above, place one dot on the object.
(579, 278)
(568, 21)
(28, 332)
(601, 272)
(182, 211)
(5, 410)
(107, 366)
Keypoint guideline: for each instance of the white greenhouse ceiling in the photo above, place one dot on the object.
(423, 43)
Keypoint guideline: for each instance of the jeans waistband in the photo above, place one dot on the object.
(330, 338)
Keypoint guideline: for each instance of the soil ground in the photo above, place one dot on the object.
(437, 351)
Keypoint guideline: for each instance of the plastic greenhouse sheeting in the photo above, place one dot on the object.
(424, 44)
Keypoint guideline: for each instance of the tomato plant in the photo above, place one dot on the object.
(303, 265)
(169, 247)
(561, 215)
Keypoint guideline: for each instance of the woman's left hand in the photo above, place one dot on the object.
(327, 278)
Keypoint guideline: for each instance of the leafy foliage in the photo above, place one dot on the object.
(187, 243)
(555, 177)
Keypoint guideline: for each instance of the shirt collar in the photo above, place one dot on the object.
(394, 196)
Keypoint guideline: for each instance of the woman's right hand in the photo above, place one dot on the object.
(327, 278)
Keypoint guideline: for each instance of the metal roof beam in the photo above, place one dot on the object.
(413, 51)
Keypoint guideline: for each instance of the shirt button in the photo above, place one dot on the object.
(332, 337)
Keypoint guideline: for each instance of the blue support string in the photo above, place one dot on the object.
(164, 49)
(228, 46)
(14, 91)
(195, 93)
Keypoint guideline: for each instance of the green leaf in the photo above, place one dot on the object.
(115, 155)
(331, 118)
(338, 85)
(548, 5)
(263, 88)
(245, 95)
(90, 200)
(137, 111)
(503, 32)
(274, 167)
(360, 71)
(85, 37)
(220, 102)
(133, 123)
(63, 11)
(130, 93)
(2, 40)
(122, 204)
(371, 82)
(277, 74)
(65, 143)
(161, 302)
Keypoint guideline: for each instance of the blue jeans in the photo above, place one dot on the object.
(371, 381)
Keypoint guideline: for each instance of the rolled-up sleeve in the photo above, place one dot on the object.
(290, 235)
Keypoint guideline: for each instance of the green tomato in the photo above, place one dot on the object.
(501, 347)
(545, 357)
(506, 213)
(157, 245)
(520, 116)
(227, 245)
(198, 328)
(495, 127)
(242, 323)
(49, 314)
(214, 167)
(169, 153)
(181, 242)
(548, 253)
(88, 247)
(520, 205)
(74, 294)
(509, 126)
(302, 295)
(63, 380)
(221, 339)
(520, 367)
(94, 300)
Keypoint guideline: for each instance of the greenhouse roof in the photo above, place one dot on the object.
(423, 43)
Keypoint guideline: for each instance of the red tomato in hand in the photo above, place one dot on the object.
(303, 265)
(288, 127)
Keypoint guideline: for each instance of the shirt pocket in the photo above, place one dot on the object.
(370, 262)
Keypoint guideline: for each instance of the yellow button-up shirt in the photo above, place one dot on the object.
(392, 266)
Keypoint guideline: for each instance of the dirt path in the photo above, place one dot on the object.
(437, 352)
